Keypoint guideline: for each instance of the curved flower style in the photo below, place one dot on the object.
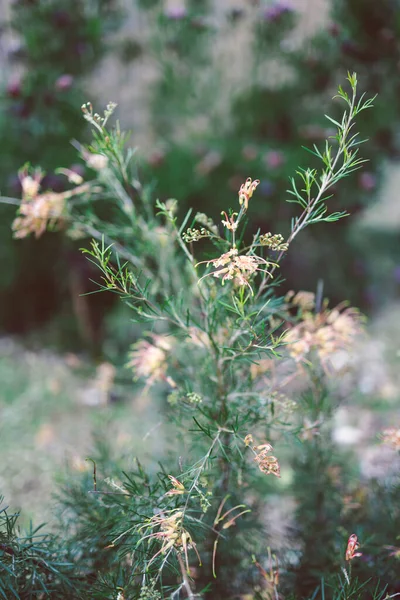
(167, 527)
(246, 191)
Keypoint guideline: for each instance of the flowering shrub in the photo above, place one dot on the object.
(214, 327)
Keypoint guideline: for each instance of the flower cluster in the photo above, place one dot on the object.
(325, 332)
(191, 398)
(275, 242)
(149, 360)
(392, 437)
(168, 527)
(240, 268)
(37, 211)
(267, 463)
(40, 211)
(148, 592)
(94, 118)
(194, 235)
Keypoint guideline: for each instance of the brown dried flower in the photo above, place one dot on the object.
(267, 463)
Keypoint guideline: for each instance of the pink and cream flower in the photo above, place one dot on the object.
(240, 268)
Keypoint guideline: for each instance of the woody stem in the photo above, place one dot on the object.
(185, 579)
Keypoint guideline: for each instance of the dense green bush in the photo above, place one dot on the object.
(216, 332)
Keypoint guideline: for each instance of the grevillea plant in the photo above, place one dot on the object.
(215, 331)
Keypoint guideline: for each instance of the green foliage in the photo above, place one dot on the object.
(214, 326)
(208, 327)
(33, 564)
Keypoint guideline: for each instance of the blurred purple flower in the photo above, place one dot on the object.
(249, 152)
(80, 48)
(396, 274)
(175, 13)
(64, 82)
(266, 188)
(274, 159)
(367, 181)
(277, 10)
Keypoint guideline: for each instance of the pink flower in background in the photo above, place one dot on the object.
(367, 181)
(277, 10)
(14, 88)
(274, 159)
(175, 12)
(64, 83)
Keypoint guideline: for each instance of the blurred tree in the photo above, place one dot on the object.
(59, 42)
